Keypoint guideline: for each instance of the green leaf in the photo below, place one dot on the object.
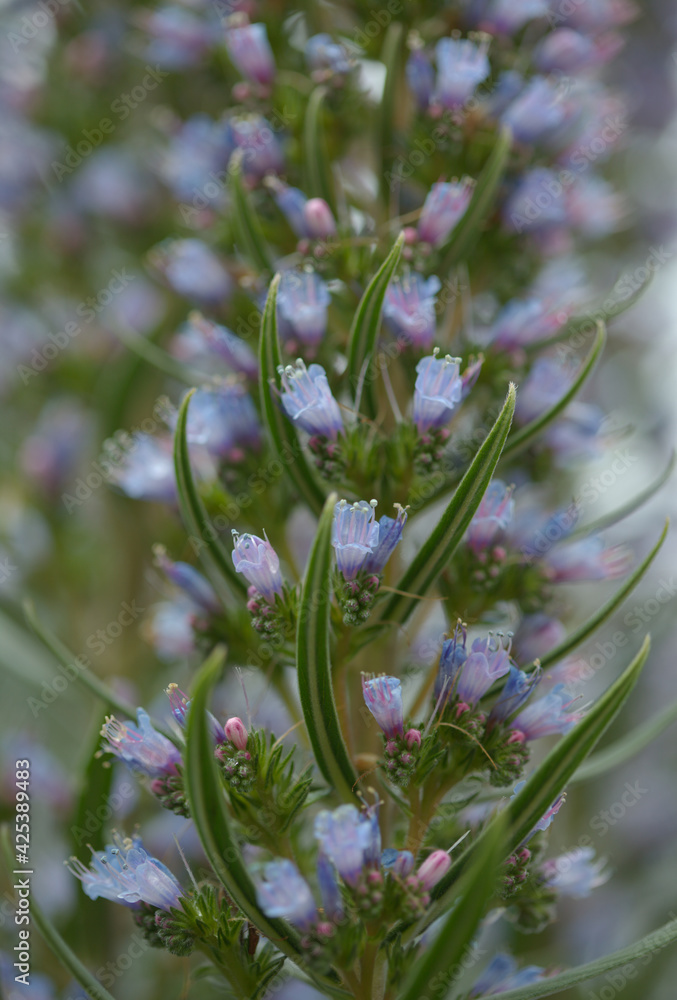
(155, 356)
(630, 506)
(317, 164)
(314, 663)
(442, 958)
(469, 229)
(75, 671)
(209, 812)
(392, 60)
(282, 432)
(203, 535)
(626, 748)
(524, 437)
(52, 937)
(366, 325)
(579, 635)
(435, 553)
(641, 949)
(548, 781)
(248, 232)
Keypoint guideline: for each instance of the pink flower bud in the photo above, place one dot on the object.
(318, 218)
(412, 737)
(516, 736)
(435, 866)
(236, 733)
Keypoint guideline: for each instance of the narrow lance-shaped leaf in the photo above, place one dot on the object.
(365, 328)
(194, 515)
(74, 669)
(642, 949)
(442, 958)
(391, 59)
(627, 747)
(523, 437)
(546, 783)
(579, 635)
(469, 229)
(209, 812)
(317, 164)
(435, 553)
(53, 939)
(314, 663)
(282, 432)
(248, 232)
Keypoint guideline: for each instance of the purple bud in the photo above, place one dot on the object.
(403, 864)
(383, 698)
(188, 579)
(435, 867)
(355, 535)
(256, 558)
(412, 738)
(250, 51)
(320, 224)
(236, 732)
(442, 209)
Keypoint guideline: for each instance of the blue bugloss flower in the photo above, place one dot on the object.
(516, 692)
(302, 301)
(189, 580)
(224, 421)
(452, 658)
(383, 698)
(523, 321)
(146, 471)
(250, 51)
(487, 661)
(420, 77)
(538, 110)
(307, 400)
(329, 889)
(285, 893)
(389, 537)
(547, 716)
(437, 392)
(461, 66)
(532, 206)
(221, 341)
(347, 838)
(409, 308)
(442, 209)
(492, 516)
(502, 974)
(355, 535)
(506, 16)
(576, 873)
(194, 270)
(127, 874)
(258, 561)
(323, 53)
(141, 746)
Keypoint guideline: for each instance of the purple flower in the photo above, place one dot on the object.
(437, 392)
(285, 893)
(389, 536)
(537, 202)
(170, 629)
(461, 66)
(187, 578)
(332, 903)
(355, 535)
(420, 77)
(587, 559)
(505, 17)
(383, 698)
(302, 302)
(488, 660)
(126, 874)
(492, 516)
(518, 689)
(566, 51)
(547, 716)
(409, 308)
(538, 110)
(250, 51)
(146, 472)
(261, 149)
(576, 874)
(180, 703)
(537, 635)
(442, 209)
(257, 559)
(324, 54)
(349, 839)
(452, 658)
(398, 862)
(320, 224)
(221, 341)
(523, 321)
(594, 208)
(141, 746)
(224, 421)
(308, 401)
(545, 385)
(291, 202)
(193, 270)
(502, 974)
(178, 39)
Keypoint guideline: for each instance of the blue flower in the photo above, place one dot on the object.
(285, 893)
(420, 77)
(146, 471)
(587, 559)
(225, 344)
(187, 578)
(329, 889)
(576, 873)
(538, 110)
(452, 658)
(193, 270)
(349, 839)
(517, 690)
(302, 301)
(324, 54)
(383, 698)
(547, 716)
(409, 308)
(291, 201)
(257, 559)
(505, 17)
(127, 874)
(502, 974)
(224, 421)
(180, 703)
(261, 149)
(461, 66)
(487, 661)
(250, 51)
(389, 537)
(355, 535)
(532, 206)
(141, 746)
(437, 392)
(444, 206)
(307, 400)
(492, 516)
(523, 321)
